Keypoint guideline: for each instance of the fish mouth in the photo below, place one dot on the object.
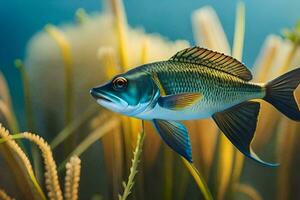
(99, 96)
(108, 100)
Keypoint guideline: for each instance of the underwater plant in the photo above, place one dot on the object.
(94, 146)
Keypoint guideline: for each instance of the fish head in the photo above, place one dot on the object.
(129, 93)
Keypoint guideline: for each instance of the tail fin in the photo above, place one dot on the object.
(280, 93)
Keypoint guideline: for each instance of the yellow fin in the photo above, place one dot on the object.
(179, 101)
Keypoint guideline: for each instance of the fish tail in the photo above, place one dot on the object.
(280, 93)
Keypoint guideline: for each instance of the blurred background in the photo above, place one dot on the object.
(21, 19)
(65, 47)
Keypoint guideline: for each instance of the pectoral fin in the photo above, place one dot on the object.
(179, 101)
(176, 136)
(239, 124)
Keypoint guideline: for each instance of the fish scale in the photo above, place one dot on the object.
(221, 90)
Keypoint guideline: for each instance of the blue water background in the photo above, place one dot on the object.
(20, 19)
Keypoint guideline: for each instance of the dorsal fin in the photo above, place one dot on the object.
(215, 60)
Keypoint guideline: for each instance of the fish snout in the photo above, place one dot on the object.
(99, 95)
(94, 93)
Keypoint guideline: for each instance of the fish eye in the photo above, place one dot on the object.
(119, 83)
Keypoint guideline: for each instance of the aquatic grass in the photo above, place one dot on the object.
(20, 166)
(199, 179)
(208, 32)
(92, 137)
(65, 48)
(262, 73)
(5, 196)
(248, 190)
(133, 169)
(289, 144)
(168, 171)
(73, 167)
(51, 177)
(72, 178)
(4, 91)
(6, 108)
(29, 115)
(27, 94)
(237, 52)
(108, 60)
(73, 126)
(112, 142)
(120, 21)
(6, 112)
(203, 133)
(145, 51)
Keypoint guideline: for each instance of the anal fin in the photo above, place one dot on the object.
(239, 124)
(176, 136)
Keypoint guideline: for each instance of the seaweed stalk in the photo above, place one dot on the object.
(199, 180)
(91, 138)
(227, 150)
(237, 50)
(27, 94)
(112, 142)
(9, 117)
(4, 91)
(120, 21)
(29, 114)
(73, 126)
(248, 190)
(290, 143)
(65, 48)
(135, 161)
(72, 178)
(121, 29)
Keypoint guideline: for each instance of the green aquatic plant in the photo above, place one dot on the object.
(133, 169)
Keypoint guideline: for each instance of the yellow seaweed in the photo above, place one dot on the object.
(237, 52)
(199, 179)
(20, 166)
(65, 48)
(95, 135)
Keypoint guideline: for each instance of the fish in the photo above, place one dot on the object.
(198, 83)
